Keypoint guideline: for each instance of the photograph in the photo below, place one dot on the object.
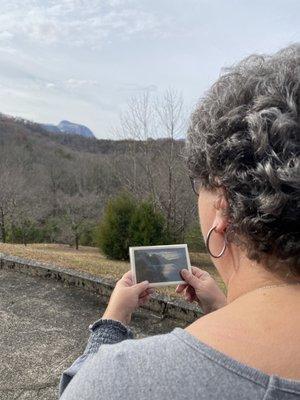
(160, 265)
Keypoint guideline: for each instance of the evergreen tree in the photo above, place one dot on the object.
(147, 227)
(113, 236)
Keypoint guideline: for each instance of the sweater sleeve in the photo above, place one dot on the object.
(103, 331)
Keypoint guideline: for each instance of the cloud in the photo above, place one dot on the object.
(133, 87)
(8, 50)
(75, 83)
(5, 36)
(50, 85)
(78, 22)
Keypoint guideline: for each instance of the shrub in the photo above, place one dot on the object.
(126, 223)
(147, 226)
(26, 231)
(113, 234)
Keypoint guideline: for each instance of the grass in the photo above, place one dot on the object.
(89, 259)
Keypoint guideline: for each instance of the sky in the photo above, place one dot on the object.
(81, 60)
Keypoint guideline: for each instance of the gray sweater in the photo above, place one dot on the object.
(170, 366)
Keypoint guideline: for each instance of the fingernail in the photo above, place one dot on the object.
(146, 282)
(184, 271)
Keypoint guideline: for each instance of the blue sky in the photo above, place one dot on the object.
(82, 59)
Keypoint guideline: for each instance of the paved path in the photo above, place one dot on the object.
(44, 327)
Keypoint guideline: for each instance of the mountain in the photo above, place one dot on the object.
(69, 128)
(51, 128)
(15, 130)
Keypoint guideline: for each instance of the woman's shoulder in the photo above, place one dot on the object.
(143, 348)
(127, 368)
(175, 365)
(137, 352)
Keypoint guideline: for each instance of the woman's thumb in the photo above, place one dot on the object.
(189, 278)
(141, 287)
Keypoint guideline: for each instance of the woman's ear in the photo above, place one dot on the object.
(221, 220)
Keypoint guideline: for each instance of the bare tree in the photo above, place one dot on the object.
(31, 207)
(138, 126)
(9, 186)
(153, 128)
(172, 126)
(59, 177)
(77, 210)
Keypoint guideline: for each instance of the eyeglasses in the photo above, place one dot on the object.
(196, 185)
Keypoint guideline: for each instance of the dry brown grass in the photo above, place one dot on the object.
(89, 259)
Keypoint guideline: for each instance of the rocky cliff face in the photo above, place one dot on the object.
(69, 128)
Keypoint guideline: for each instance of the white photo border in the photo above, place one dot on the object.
(169, 246)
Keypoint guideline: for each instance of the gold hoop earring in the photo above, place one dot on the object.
(207, 243)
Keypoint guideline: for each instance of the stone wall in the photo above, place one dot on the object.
(158, 304)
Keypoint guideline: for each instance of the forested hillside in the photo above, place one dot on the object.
(54, 187)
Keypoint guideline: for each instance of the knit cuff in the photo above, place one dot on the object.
(106, 331)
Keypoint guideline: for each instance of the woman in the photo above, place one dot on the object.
(243, 156)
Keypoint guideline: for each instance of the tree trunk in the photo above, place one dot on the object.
(2, 225)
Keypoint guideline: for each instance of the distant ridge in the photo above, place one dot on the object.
(63, 127)
(69, 128)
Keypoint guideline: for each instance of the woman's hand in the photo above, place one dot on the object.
(126, 298)
(201, 287)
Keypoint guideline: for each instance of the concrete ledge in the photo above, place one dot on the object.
(159, 304)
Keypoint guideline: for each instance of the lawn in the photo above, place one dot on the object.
(89, 259)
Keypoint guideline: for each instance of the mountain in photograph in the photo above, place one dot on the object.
(69, 128)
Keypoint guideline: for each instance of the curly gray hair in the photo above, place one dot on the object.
(245, 136)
